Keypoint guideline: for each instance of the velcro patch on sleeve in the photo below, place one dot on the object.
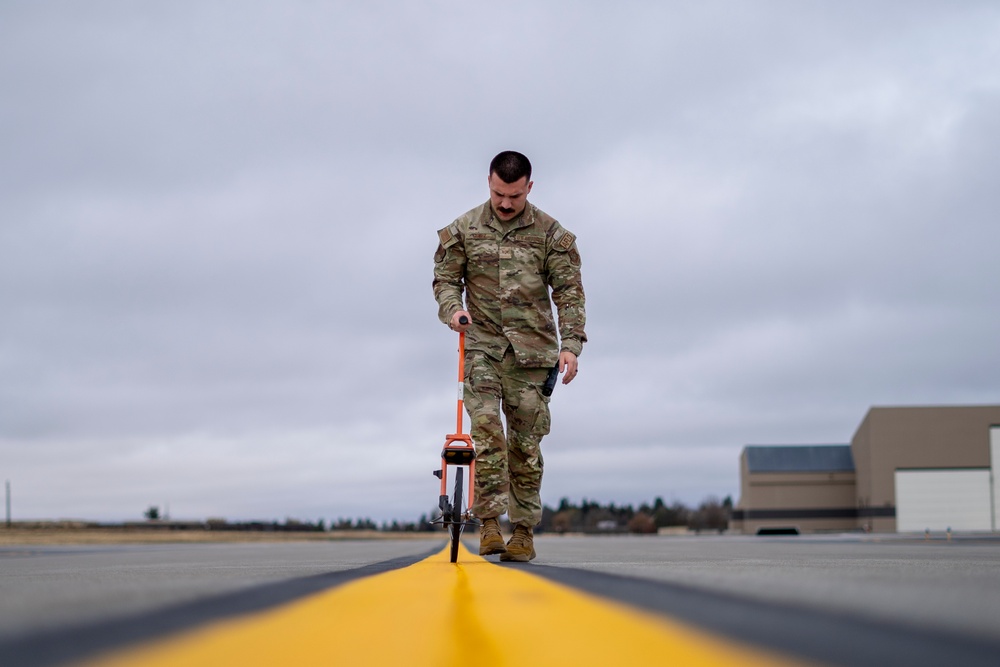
(447, 237)
(566, 242)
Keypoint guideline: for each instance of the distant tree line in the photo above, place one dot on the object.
(592, 517)
(287, 526)
(589, 516)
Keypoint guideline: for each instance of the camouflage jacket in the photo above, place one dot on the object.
(505, 270)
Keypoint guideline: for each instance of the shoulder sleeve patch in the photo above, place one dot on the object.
(448, 236)
(562, 240)
(566, 242)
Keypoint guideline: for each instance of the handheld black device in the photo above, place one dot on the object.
(550, 380)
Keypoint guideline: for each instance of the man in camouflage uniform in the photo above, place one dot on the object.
(504, 257)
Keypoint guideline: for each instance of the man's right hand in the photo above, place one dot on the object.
(456, 325)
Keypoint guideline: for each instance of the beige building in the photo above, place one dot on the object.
(907, 469)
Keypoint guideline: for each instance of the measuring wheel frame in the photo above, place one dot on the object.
(459, 453)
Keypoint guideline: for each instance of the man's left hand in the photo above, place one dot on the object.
(567, 366)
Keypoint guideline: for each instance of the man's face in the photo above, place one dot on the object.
(508, 199)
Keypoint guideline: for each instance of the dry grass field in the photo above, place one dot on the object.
(71, 533)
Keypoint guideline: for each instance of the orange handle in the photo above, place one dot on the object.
(461, 381)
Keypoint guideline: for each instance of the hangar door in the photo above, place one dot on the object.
(995, 473)
(942, 499)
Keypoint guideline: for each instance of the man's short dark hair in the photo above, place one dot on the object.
(511, 167)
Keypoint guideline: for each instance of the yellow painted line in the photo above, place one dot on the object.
(441, 614)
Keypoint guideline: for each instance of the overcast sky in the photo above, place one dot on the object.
(217, 224)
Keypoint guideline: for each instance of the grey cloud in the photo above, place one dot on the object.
(216, 224)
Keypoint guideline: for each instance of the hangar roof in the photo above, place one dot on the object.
(799, 458)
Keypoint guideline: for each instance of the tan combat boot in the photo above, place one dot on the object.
(521, 546)
(490, 541)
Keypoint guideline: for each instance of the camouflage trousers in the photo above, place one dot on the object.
(508, 466)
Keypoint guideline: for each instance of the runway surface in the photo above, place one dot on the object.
(840, 600)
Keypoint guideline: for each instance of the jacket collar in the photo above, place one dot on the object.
(526, 219)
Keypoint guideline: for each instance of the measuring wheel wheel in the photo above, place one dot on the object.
(456, 515)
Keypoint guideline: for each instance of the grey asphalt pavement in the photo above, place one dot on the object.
(952, 585)
(879, 597)
(851, 600)
(48, 587)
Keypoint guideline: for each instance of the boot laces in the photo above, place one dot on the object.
(490, 528)
(520, 536)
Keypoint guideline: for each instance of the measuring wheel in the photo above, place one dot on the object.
(456, 515)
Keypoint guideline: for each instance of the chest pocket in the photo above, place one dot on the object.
(529, 250)
(482, 247)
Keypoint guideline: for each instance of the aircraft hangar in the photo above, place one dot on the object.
(907, 469)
